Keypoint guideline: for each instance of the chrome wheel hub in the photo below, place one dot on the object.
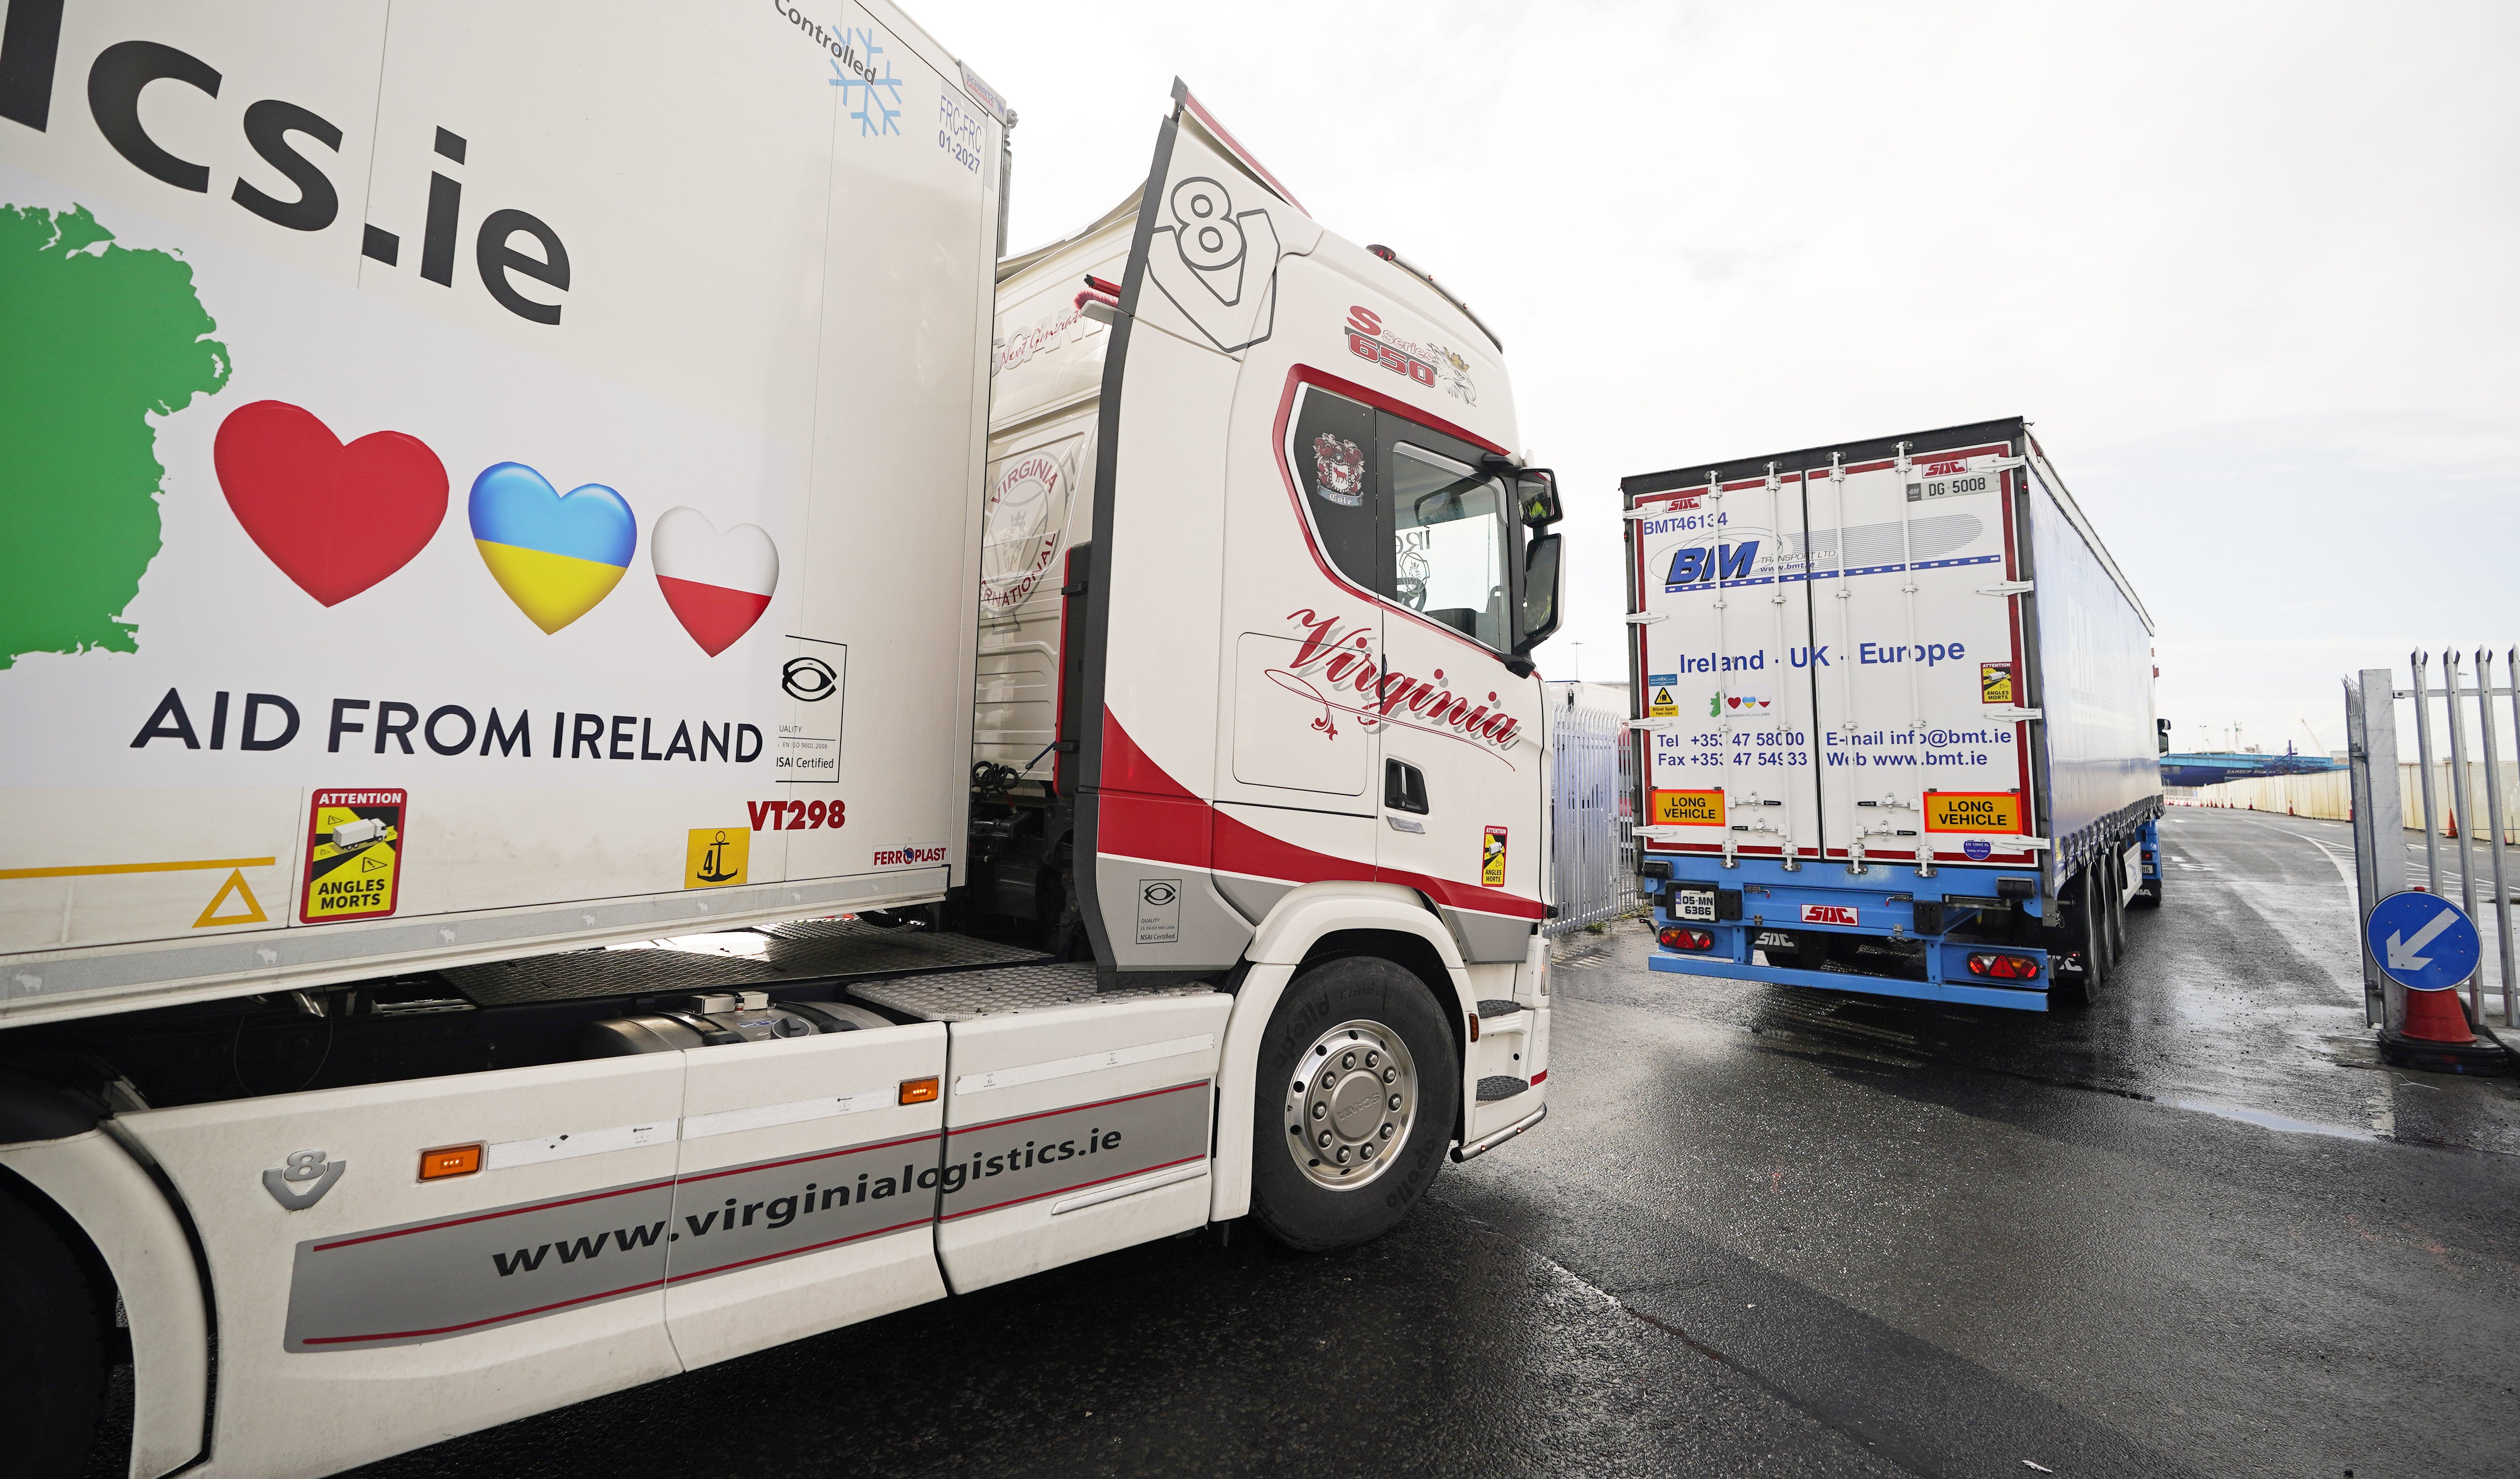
(1350, 1104)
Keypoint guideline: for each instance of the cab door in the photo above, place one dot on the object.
(1462, 779)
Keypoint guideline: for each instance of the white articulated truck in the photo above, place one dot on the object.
(1896, 700)
(619, 754)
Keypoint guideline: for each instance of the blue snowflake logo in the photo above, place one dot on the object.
(855, 65)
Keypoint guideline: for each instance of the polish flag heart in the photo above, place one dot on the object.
(334, 519)
(718, 584)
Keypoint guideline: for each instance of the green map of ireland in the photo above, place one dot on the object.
(94, 337)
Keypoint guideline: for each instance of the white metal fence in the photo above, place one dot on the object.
(1592, 860)
(2445, 806)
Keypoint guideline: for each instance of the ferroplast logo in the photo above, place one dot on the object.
(895, 858)
(1828, 913)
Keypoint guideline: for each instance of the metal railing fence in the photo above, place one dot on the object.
(2442, 796)
(1593, 858)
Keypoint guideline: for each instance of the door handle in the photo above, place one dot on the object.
(1404, 823)
(1404, 789)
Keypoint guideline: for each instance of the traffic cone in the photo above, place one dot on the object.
(2436, 1017)
(2437, 1037)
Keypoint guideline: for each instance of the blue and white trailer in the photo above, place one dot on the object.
(1896, 706)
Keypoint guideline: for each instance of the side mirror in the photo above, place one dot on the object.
(1539, 576)
(2163, 727)
(1535, 489)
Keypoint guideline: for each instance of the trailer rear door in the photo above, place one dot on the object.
(1917, 669)
(1722, 663)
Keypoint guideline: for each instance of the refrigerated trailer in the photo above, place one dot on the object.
(1895, 703)
(624, 748)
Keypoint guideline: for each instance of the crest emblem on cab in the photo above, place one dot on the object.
(1338, 470)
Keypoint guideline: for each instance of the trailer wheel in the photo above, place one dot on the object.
(52, 1350)
(2086, 938)
(1358, 1090)
(2113, 910)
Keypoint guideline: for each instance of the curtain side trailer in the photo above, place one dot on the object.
(640, 750)
(1895, 701)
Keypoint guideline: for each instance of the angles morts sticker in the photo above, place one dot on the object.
(354, 843)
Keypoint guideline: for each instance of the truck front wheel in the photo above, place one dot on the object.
(1357, 1091)
(52, 1351)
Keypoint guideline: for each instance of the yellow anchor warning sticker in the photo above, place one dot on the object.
(714, 858)
(353, 856)
(1995, 683)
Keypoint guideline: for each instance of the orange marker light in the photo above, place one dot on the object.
(454, 1160)
(917, 1090)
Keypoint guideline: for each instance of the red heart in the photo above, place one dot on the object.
(334, 519)
(1734, 702)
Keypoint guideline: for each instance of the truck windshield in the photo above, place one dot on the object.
(1452, 538)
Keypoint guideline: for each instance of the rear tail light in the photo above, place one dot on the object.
(2005, 967)
(1674, 938)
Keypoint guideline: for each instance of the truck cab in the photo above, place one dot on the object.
(1126, 809)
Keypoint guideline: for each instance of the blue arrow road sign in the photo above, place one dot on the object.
(2423, 943)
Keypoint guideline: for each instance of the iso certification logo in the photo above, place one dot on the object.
(809, 679)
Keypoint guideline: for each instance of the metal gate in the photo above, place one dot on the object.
(2449, 821)
(1593, 858)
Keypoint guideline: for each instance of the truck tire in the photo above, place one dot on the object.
(2113, 911)
(2086, 935)
(1358, 1090)
(52, 1346)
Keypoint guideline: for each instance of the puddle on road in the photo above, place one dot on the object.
(2274, 1122)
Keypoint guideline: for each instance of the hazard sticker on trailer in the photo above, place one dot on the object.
(353, 856)
(1972, 811)
(1689, 808)
(1659, 702)
(1995, 683)
(1492, 858)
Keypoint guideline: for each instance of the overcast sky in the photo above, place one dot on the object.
(2249, 269)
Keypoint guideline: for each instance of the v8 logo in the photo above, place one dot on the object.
(301, 1181)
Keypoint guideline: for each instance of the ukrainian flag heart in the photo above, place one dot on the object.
(554, 556)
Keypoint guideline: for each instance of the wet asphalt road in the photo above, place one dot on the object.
(2197, 1229)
